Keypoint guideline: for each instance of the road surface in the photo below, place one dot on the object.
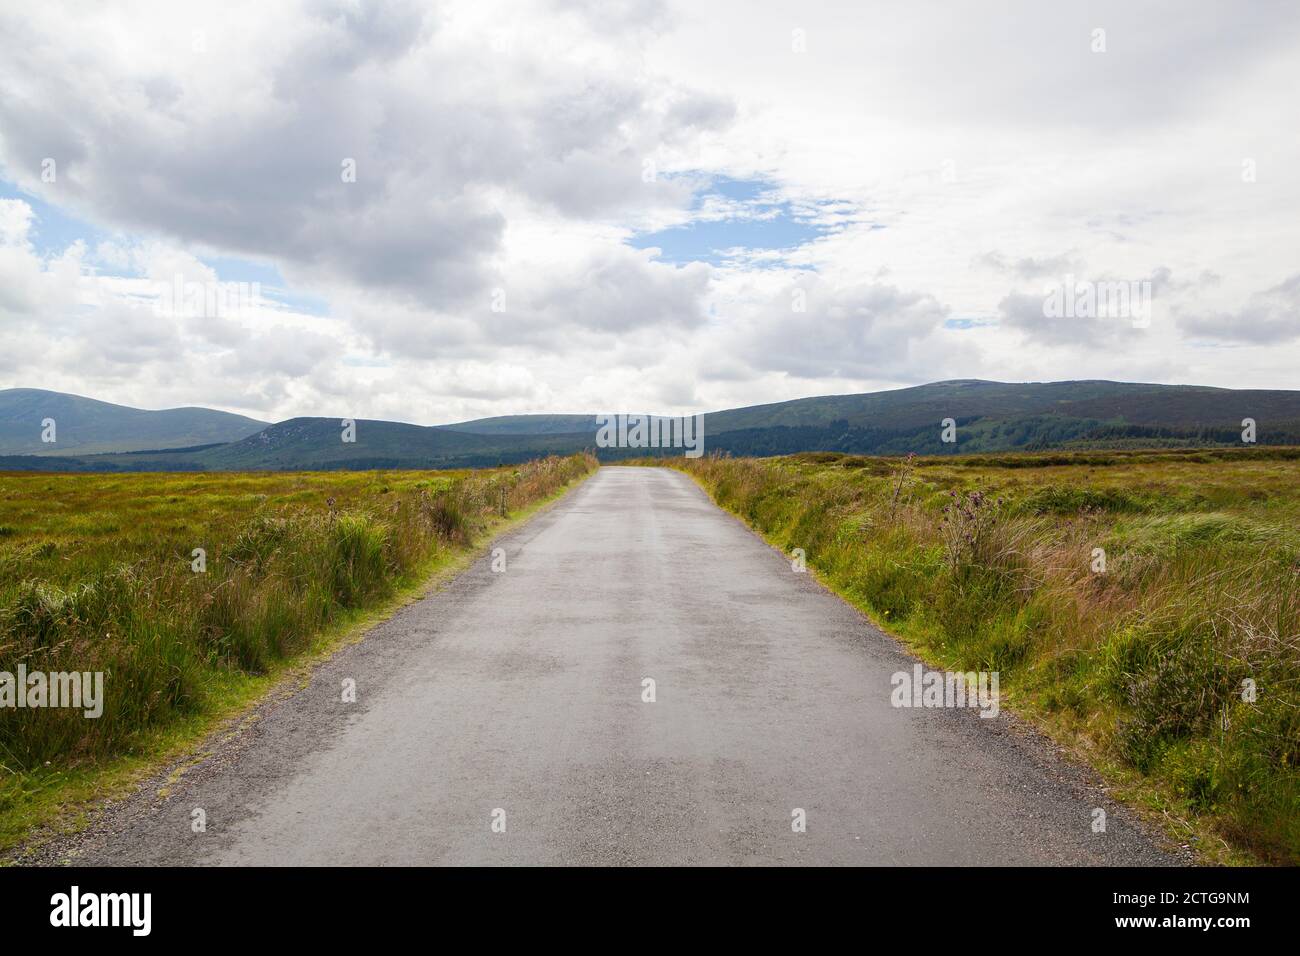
(515, 698)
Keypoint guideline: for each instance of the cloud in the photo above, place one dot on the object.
(624, 290)
(814, 330)
(1029, 267)
(1087, 325)
(257, 160)
(15, 222)
(918, 200)
(1270, 317)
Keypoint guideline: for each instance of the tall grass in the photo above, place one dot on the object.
(1142, 666)
(134, 608)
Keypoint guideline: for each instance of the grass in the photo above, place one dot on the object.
(97, 573)
(1140, 668)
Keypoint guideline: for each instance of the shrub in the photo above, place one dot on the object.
(163, 633)
(358, 545)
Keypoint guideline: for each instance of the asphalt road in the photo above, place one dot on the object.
(522, 691)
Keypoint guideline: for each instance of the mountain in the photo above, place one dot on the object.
(924, 405)
(86, 426)
(992, 417)
(989, 417)
(317, 443)
(528, 425)
(1001, 416)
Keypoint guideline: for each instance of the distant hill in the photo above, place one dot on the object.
(1165, 405)
(86, 426)
(317, 443)
(528, 425)
(990, 417)
(1000, 416)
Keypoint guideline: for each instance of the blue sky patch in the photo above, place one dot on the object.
(733, 219)
(52, 231)
(274, 288)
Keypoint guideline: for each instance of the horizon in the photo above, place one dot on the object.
(952, 381)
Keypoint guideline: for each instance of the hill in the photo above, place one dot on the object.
(86, 426)
(990, 417)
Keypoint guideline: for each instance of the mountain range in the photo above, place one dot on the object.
(91, 435)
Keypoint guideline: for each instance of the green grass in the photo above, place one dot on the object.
(981, 565)
(97, 575)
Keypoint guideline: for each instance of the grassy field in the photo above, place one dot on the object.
(98, 573)
(1125, 598)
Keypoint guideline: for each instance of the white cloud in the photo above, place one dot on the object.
(1271, 317)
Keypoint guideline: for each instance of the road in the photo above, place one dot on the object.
(515, 697)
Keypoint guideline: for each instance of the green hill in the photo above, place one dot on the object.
(528, 425)
(317, 443)
(990, 417)
(86, 426)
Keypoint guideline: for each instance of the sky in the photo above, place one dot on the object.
(457, 210)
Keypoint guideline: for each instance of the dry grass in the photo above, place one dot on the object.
(981, 565)
(96, 574)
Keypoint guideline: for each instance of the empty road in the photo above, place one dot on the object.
(501, 720)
